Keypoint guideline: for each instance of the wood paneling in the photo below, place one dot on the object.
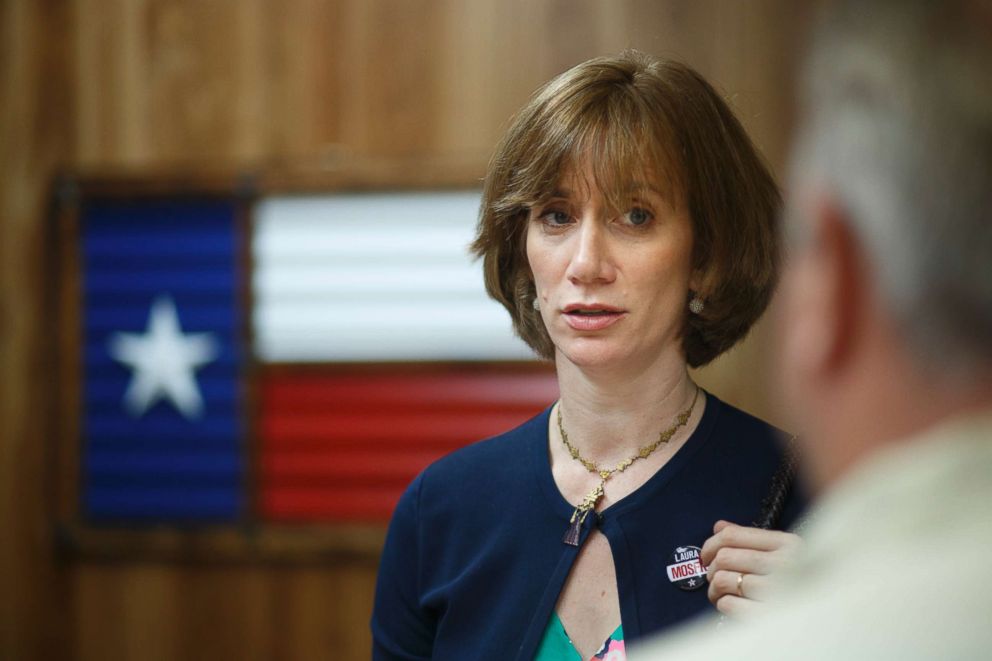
(158, 613)
(162, 82)
(132, 85)
(36, 110)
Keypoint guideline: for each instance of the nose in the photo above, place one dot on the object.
(591, 261)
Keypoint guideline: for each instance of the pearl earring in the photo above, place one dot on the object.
(536, 303)
(696, 305)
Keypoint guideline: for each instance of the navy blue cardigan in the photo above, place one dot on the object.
(474, 560)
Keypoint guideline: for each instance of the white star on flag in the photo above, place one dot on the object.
(163, 360)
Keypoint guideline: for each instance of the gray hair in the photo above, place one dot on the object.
(898, 128)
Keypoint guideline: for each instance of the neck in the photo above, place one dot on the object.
(609, 415)
(886, 400)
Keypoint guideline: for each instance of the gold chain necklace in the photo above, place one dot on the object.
(588, 503)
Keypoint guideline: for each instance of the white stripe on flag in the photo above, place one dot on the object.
(366, 277)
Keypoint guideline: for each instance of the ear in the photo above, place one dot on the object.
(828, 290)
(849, 287)
(695, 281)
(701, 281)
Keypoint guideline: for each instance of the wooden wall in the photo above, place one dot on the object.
(128, 85)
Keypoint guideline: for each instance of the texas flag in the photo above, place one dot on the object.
(295, 359)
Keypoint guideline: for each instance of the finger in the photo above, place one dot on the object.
(733, 606)
(744, 561)
(724, 583)
(758, 539)
(723, 536)
(755, 538)
(716, 542)
(732, 535)
(755, 587)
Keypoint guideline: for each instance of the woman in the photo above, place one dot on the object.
(628, 226)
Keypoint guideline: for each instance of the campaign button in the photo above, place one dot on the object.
(686, 572)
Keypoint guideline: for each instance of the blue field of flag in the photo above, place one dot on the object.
(162, 354)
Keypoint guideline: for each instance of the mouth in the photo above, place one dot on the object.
(590, 309)
(591, 316)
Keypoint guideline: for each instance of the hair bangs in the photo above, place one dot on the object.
(625, 149)
(624, 144)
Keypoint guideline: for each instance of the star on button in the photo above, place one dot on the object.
(163, 360)
(692, 582)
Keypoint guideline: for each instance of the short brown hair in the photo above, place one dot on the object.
(626, 114)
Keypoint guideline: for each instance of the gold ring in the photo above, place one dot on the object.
(740, 585)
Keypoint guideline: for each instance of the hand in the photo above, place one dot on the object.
(752, 553)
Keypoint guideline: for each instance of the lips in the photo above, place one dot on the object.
(591, 316)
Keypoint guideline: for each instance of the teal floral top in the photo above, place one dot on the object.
(557, 646)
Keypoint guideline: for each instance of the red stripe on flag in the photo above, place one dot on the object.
(370, 466)
(342, 446)
(428, 428)
(307, 504)
(454, 389)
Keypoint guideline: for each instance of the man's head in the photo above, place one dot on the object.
(889, 297)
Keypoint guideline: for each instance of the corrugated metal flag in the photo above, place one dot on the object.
(356, 324)
(163, 420)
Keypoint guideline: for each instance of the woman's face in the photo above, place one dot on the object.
(612, 284)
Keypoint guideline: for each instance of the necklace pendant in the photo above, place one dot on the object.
(574, 530)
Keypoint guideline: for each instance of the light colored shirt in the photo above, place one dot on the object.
(898, 565)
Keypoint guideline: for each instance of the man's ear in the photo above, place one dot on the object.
(841, 266)
(820, 296)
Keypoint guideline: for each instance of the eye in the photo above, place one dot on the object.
(554, 217)
(638, 216)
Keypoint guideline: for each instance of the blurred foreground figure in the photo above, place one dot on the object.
(886, 346)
